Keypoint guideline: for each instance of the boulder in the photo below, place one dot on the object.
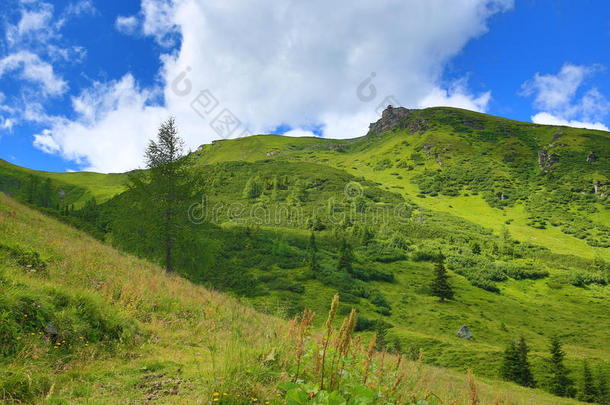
(465, 333)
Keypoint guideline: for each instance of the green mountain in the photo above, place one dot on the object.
(519, 211)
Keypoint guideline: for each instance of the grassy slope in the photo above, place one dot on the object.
(99, 185)
(360, 160)
(191, 342)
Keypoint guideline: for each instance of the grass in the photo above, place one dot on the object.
(190, 342)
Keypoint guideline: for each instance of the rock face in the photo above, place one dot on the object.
(546, 159)
(395, 118)
(465, 333)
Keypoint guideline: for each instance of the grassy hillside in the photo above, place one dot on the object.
(535, 180)
(78, 186)
(83, 323)
(519, 211)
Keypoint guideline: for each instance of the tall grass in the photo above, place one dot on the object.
(193, 345)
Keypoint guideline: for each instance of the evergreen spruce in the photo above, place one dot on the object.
(560, 384)
(588, 391)
(603, 395)
(525, 373)
(46, 194)
(515, 365)
(346, 257)
(440, 285)
(510, 363)
(313, 254)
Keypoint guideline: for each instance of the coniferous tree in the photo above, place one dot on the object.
(31, 192)
(525, 373)
(346, 257)
(157, 200)
(560, 384)
(510, 363)
(168, 173)
(588, 391)
(313, 254)
(603, 396)
(46, 194)
(440, 285)
(515, 365)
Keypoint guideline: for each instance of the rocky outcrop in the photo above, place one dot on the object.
(599, 188)
(464, 333)
(592, 157)
(397, 118)
(546, 159)
(273, 153)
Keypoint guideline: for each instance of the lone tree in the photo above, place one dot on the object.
(560, 384)
(515, 366)
(157, 199)
(168, 174)
(440, 285)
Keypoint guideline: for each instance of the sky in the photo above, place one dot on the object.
(84, 84)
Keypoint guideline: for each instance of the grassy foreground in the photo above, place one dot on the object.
(83, 323)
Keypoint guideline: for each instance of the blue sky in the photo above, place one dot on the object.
(85, 83)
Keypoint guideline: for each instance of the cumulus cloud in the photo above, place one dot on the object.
(105, 136)
(550, 119)
(31, 68)
(126, 25)
(299, 133)
(457, 95)
(245, 67)
(558, 99)
(32, 46)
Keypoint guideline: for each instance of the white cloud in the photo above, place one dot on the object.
(82, 7)
(299, 133)
(271, 63)
(560, 100)
(159, 20)
(549, 119)
(112, 129)
(33, 69)
(126, 25)
(457, 95)
(35, 20)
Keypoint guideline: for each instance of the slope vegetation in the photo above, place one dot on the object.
(83, 323)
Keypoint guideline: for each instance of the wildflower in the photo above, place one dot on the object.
(215, 399)
(216, 394)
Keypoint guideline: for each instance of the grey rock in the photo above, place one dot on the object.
(465, 333)
(546, 160)
(397, 118)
